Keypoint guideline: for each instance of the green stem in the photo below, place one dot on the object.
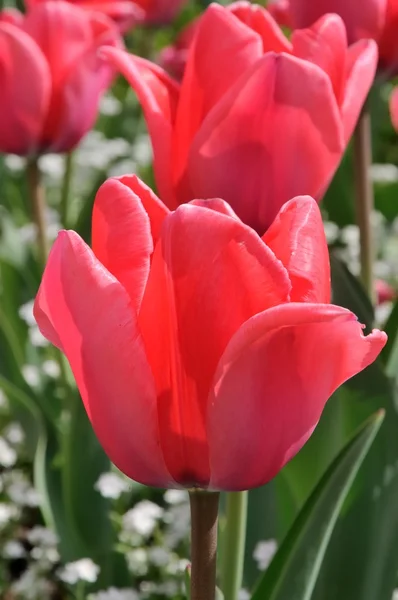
(38, 203)
(233, 544)
(66, 186)
(204, 514)
(364, 198)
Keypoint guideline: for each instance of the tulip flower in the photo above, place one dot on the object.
(280, 10)
(394, 108)
(51, 76)
(257, 119)
(128, 12)
(363, 19)
(384, 292)
(388, 40)
(204, 354)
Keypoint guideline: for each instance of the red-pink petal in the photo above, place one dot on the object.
(272, 384)
(298, 239)
(84, 308)
(24, 100)
(158, 95)
(209, 274)
(262, 22)
(394, 108)
(360, 73)
(222, 49)
(325, 45)
(275, 135)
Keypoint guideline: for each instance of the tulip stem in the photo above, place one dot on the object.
(38, 203)
(364, 198)
(66, 186)
(233, 544)
(204, 514)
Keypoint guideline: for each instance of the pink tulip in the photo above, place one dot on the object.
(193, 341)
(51, 78)
(363, 19)
(127, 13)
(384, 291)
(257, 119)
(388, 40)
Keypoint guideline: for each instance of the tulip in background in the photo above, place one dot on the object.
(257, 119)
(128, 12)
(51, 78)
(193, 340)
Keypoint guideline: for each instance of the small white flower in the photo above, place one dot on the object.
(112, 485)
(158, 556)
(331, 231)
(80, 570)
(115, 594)
(14, 433)
(264, 552)
(384, 173)
(142, 518)
(175, 496)
(7, 513)
(177, 567)
(178, 519)
(110, 106)
(13, 549)
(169, 589)
(51, 368)
(22, 493)
(244, 595)
(395, 595)
(31, 375)
(142, 151)
(8, 456)
(137, 561)
(53, 166)
(41, 536)
(14, 163)
(45, 555)
(36, 338)
(32, 586)
(26, 313)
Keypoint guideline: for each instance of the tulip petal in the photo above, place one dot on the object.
(360, 73)
(222, 49)
(121, 233)
(272, 384)
(92, 318)
(23, 100)
(218, 205)
(325, 45)
(298, 239)
(209, 274)
(158, 95)
(394, 108)
(262, 22)
(11, 15)
(283, 118)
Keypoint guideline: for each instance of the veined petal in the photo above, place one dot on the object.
(298, 239)
(209, 274)
(86, 311)
(158, 95)
(272, 384)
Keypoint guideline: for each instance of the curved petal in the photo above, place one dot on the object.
(272, 384)
(70, 37)
(222, 49)
(218, 205)
(11, 15)
(262, 22)
(209, 274)
(325, 45)
(394, 108)
(360, 73)
(362, 19)
(280, 11)
(242, 152)
(158, 95)
(24, 100)
(82, 306)
(298, 239)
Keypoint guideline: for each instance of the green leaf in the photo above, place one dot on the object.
(295, 568)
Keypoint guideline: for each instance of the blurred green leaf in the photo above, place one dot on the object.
(295, 568)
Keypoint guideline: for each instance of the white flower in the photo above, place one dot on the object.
(21, 492)
(32, 586)
(115, 594)
(13, 549)
(137, 561)
(14, 163)
(7, 512)
(26, 313)
(110, 106)
(112, 485)
(395, 595)
(80, 570)
(158, 556)
(36, 338)
(142, 518)
(244, 595)
(142, 150)
(264, 552)
(384, 173)
(178, 567)
(51, 368)
(31, 375)
(178, 519)
(331, 231)
(41, 536)
(8, 456)
(53, 166)
(175, 496)
(14, 433)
